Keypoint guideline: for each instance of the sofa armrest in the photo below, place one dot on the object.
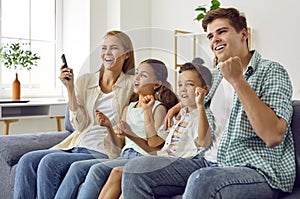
(12, 147)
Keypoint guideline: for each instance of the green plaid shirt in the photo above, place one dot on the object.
(240, 146)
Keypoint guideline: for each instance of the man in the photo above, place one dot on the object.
(256, 155)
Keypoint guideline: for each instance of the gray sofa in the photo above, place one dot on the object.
(12, 147)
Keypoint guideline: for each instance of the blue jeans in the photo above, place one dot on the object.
(152, 176)
(99, 173)
(39, 173)
(227, 183)
(74, 178)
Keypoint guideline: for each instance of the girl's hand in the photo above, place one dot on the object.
(124, 129)
(148, 102)
(102, 119)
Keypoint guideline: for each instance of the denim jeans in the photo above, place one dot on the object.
(99, 173)
(152, 176)
(228, 183)
(39, 173)
(75, 176)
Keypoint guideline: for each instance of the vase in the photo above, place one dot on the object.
(16, 89)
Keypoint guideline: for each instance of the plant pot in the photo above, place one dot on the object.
(16, 89)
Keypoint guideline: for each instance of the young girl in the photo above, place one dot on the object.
(152, 96)
(191, 135)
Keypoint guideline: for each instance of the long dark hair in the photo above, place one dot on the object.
(164, 93)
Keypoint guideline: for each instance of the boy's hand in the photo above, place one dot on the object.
(172, 112)
(102, 119)
(200, 95)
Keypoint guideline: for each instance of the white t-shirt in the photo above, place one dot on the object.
(221, 105)
(95, 137)
(181, 140)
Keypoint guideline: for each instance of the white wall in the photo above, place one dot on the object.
(135, 20)
(76, 32)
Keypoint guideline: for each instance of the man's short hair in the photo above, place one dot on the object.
(236, 18)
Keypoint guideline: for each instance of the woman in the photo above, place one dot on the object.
(39, 173)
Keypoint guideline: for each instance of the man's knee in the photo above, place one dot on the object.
(227, 182)
(203, 177)
(202, 182)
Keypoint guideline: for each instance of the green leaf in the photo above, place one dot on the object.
(200, 16)
(215, 2)
(203, 10)
(213, 7)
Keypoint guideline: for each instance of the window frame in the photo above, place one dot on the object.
(58, 90)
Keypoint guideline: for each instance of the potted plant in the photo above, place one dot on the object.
(12, 56)
(203, 10)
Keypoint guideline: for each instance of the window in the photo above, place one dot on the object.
(36, 24)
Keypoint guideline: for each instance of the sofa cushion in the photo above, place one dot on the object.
(14, 146)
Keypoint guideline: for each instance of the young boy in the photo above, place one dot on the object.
(192, 135)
